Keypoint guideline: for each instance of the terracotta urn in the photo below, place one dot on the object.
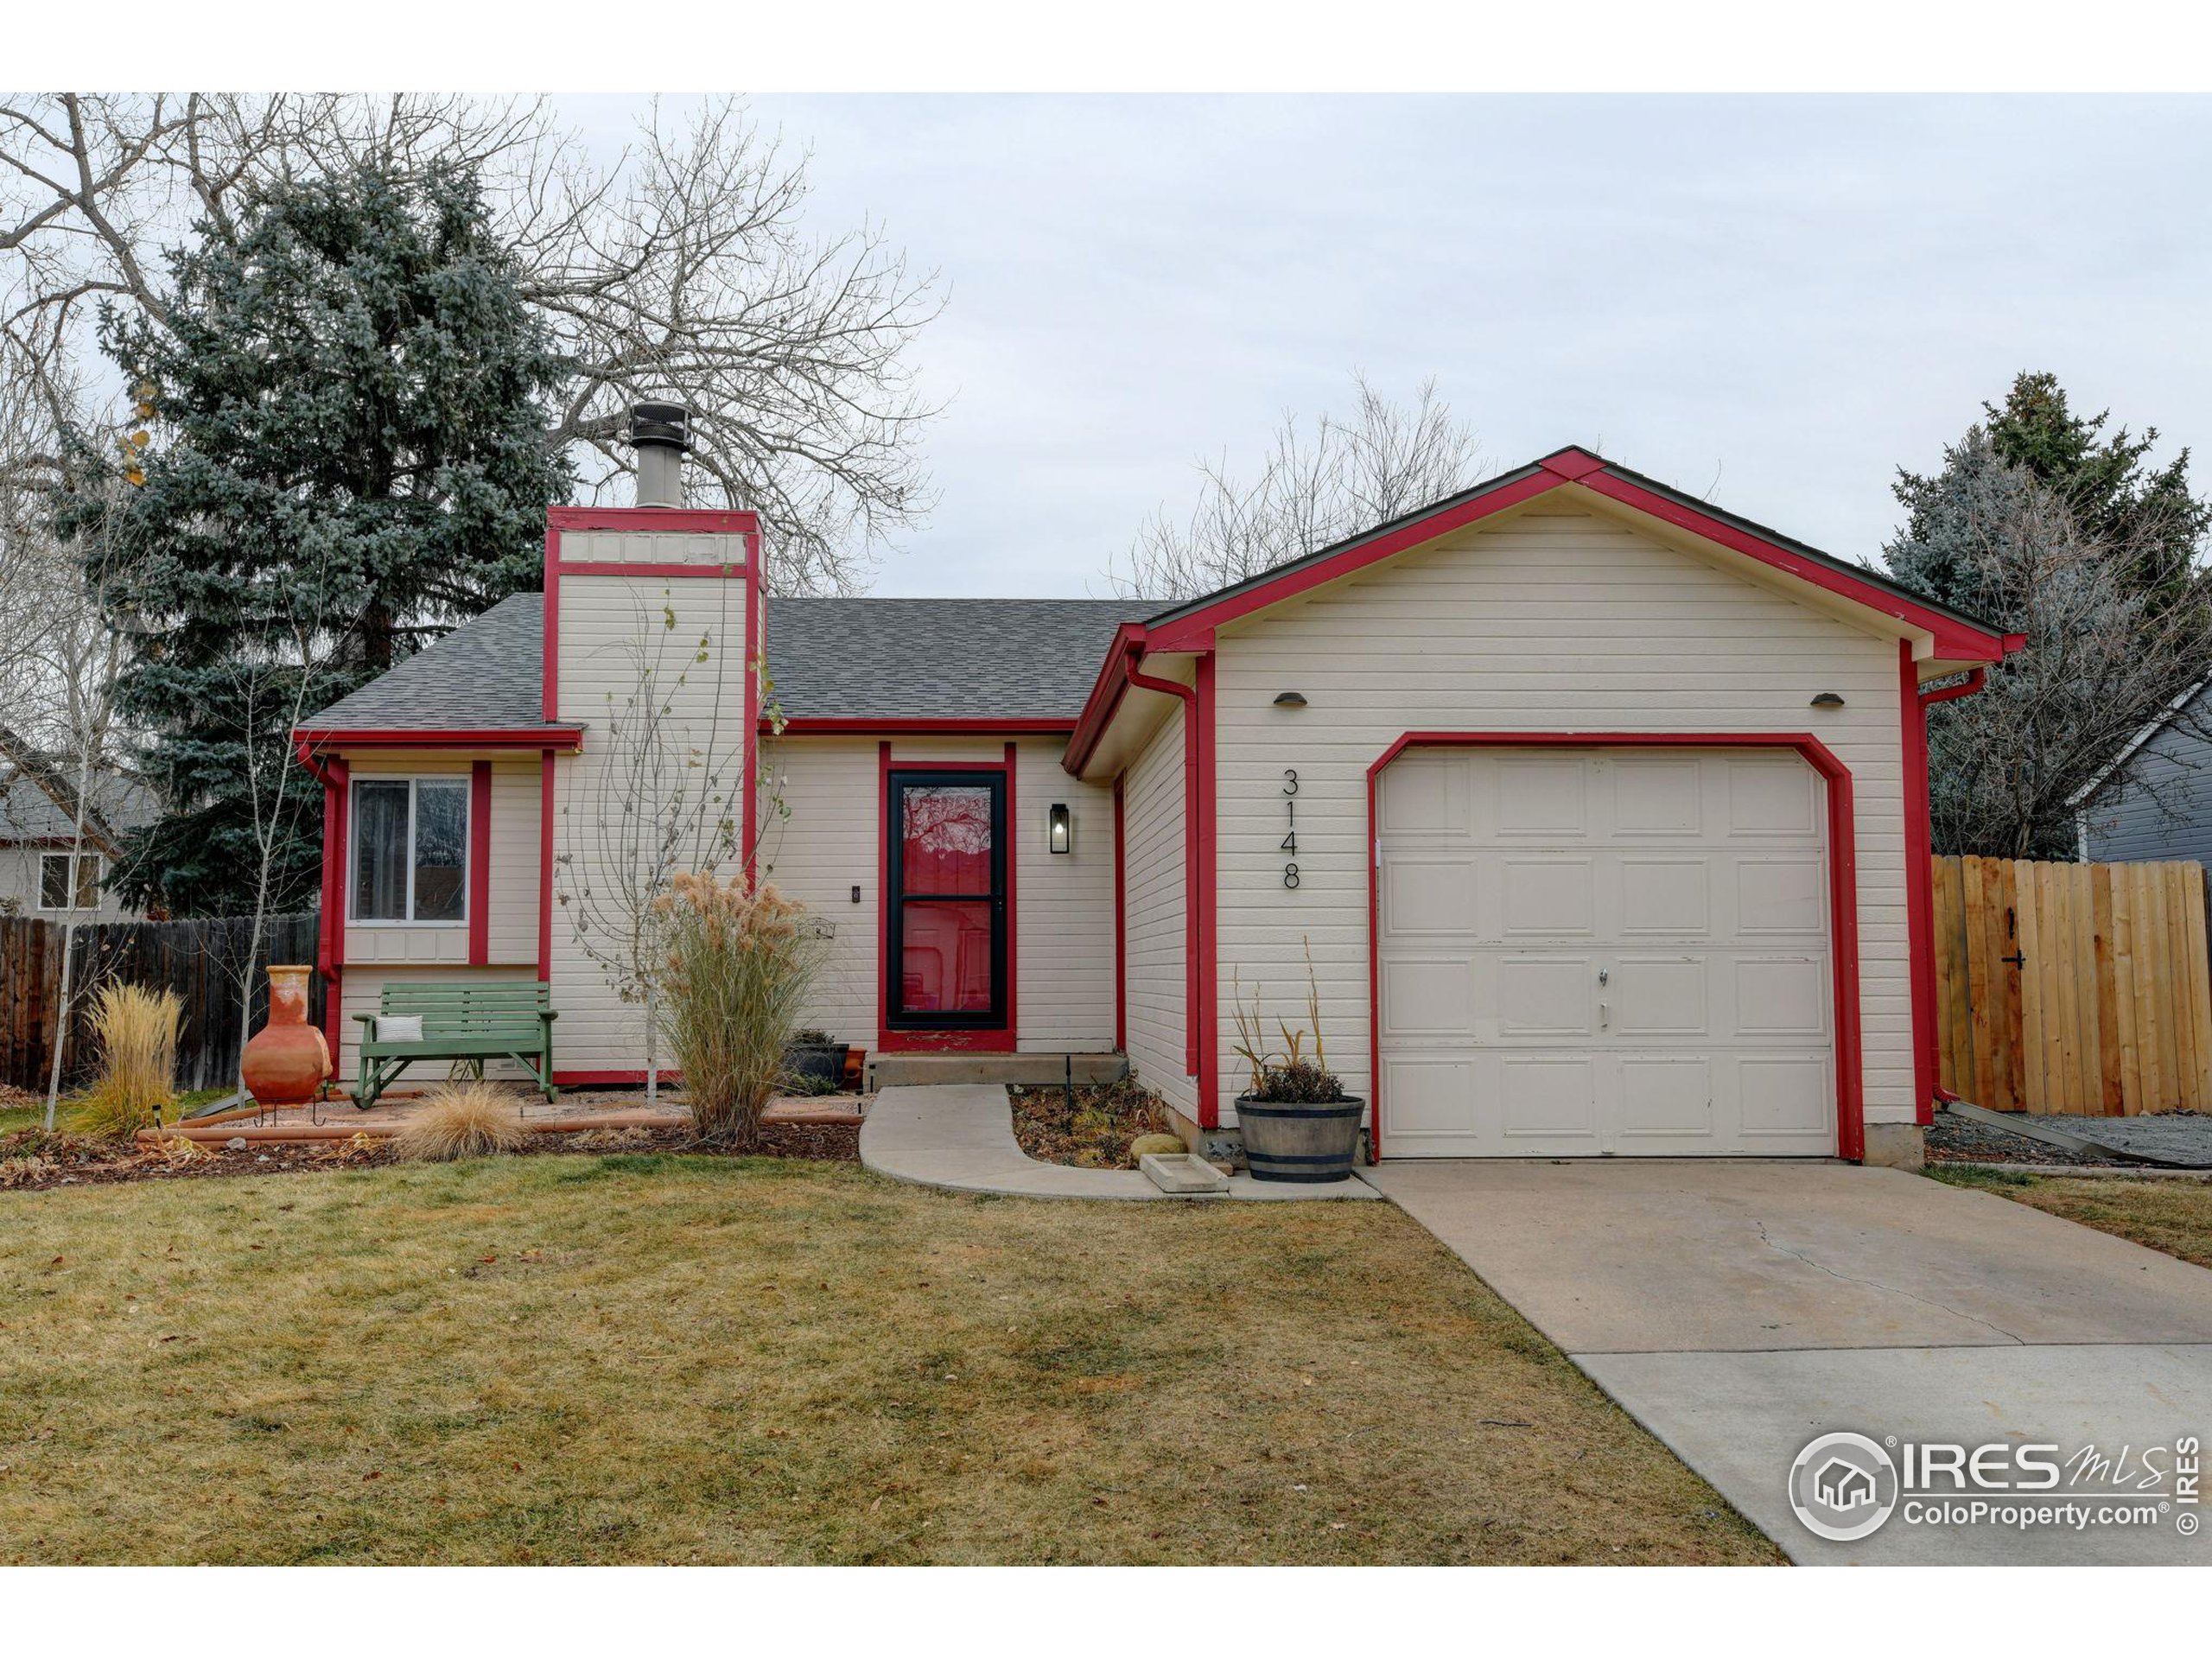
(286, 1060)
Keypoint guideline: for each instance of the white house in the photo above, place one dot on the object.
(42, 856)
(1601, 812)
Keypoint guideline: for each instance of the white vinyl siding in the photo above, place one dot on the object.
(1154, 814)
(1550, 620)
(830, 841)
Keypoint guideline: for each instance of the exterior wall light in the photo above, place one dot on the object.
(1059, 829)
(1290, 699)
(1829, 700)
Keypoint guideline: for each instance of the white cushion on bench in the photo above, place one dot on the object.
(400, 1028)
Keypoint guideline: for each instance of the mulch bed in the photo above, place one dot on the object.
(31, 1160)
(1954, 1139)
(1097, 1133)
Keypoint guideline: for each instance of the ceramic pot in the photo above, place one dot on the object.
(286, 1060)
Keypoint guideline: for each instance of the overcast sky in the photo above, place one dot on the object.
(1774, 302)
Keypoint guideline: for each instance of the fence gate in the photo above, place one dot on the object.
(2073, 987)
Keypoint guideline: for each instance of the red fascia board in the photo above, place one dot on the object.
(1194, 631)
(1952, 637)
(920, 726)
(698, 521)
(562, 739)
(1843, 888)
(1106, 693)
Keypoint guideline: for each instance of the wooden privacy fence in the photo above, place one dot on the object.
(2073, 987)
(200, 961)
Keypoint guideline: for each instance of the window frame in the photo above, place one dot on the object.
(414, 781)
(76, 888)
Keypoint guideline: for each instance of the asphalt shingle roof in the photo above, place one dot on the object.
(850, 658)
(28, 812)
(941, 658)
(489, 671)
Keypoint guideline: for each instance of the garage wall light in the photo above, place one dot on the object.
(1059, 829)
(1290, 699)
(1829, 700)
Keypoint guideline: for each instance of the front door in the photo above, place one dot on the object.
(945, 969)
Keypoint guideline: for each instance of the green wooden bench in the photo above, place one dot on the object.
(477, 1019)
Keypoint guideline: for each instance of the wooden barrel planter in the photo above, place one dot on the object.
(1299, 1141)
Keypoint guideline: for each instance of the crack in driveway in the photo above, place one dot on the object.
(1759, 1227)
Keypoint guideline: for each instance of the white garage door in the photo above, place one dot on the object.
(1603, 951)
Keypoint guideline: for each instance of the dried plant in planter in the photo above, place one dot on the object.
(468, 1120)
(137, 1031)
(1284, 1074)
(741, 959)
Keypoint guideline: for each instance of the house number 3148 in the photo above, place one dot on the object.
(1290, 840)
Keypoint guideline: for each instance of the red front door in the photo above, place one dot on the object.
(945, 969)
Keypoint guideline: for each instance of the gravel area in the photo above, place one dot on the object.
(1957, 1140)
(2179, 1137)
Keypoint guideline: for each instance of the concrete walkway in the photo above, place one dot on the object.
(961, 1136)
(1737, 1310)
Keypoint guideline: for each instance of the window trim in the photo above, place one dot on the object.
(99, 876)
(414, 781)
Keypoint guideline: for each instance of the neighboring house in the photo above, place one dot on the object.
(38, 836)
(2153, 799)
(1601, 812)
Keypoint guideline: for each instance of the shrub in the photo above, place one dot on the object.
(1286, 1077)
(135, 1029)
(741, 959)
(467, 1120)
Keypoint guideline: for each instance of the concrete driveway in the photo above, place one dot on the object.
(1737, 1310)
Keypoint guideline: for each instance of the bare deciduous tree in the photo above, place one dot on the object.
(2103, 654)
(1349, 474)
(682, 270)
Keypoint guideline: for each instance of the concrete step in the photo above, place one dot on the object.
(891, 1071)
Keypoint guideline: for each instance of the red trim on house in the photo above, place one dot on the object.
(1207, 1012)
(550, 696)
(479, 863)
(545, 868)
(967, 1039)
(1191, 879)
(1920, 876)
(330, 922)
(701, 521)
(1106, 694)
(1013, 904)
(1121, 930)
(563, 738)
(1195, 632)
(1919, 884)
(1951, 637)
(755, 660)
(1843, 889)
(865, 725)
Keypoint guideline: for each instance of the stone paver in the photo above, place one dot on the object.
(961, 1136)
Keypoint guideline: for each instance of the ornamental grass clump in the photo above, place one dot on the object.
(742, 960)
(462, 1120)
(135, 1029)
(1285, 1076)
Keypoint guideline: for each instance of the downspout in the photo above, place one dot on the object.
(1973, 682)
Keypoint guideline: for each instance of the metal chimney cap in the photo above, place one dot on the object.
(660, 426)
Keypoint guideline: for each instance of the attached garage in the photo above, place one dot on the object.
(1586, 951)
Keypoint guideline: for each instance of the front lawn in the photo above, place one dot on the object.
(683, 1358)
(2175, 1217)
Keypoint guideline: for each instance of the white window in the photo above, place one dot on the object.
(411, 849)
(54, 881)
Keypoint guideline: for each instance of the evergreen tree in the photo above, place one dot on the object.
(346, 457)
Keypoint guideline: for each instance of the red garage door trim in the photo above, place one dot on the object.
(1843, 887)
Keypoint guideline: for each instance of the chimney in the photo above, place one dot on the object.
(660, 433)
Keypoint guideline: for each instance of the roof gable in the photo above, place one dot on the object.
(1188, 626)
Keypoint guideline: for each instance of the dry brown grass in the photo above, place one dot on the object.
(135, 1029)
(462, 1120)
(2175, 1217)
(683, 1358)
